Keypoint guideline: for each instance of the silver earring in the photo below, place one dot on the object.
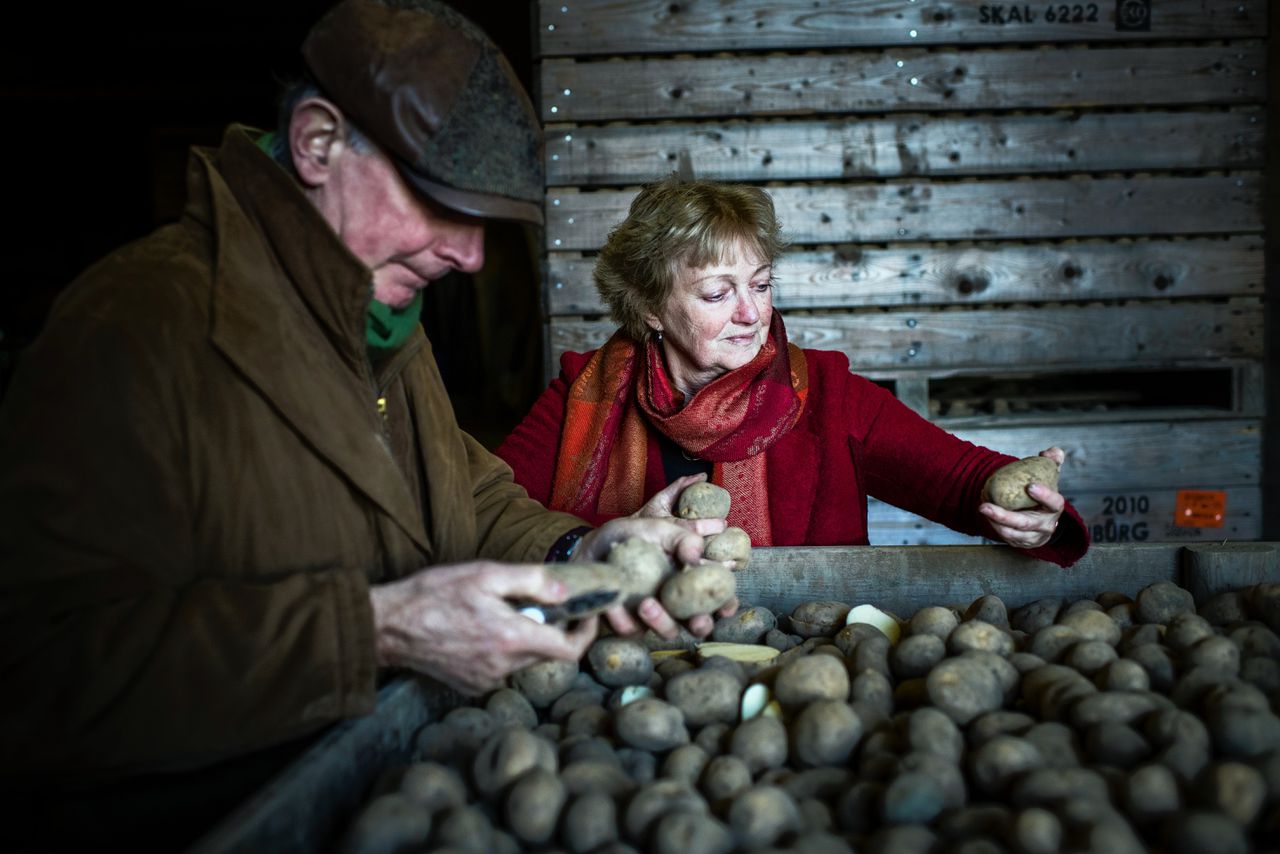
(658, 335)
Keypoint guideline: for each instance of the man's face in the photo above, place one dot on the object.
(406, 240)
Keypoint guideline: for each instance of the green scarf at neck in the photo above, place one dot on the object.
(386, 328)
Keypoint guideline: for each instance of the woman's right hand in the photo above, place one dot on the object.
(663, 506)
(650, 612)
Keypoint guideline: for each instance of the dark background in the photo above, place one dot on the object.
(101, 104)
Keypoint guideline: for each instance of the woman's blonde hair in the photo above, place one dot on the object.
(674, 223)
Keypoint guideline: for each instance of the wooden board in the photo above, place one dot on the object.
(649, 26)
(903, 580)
(1114, 516)
(965, 210)
(1060, 338)
(904, 145)
(902, 79)
(852, 277)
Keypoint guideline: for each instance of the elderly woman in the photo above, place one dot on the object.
(700, 379)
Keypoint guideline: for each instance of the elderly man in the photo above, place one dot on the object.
(229, 457)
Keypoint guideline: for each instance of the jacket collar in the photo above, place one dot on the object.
(288, 310)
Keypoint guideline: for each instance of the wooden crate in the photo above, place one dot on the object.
(1036, 224)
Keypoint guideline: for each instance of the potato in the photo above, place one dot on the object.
(597, 775)
(964, 689)
(686, 832)
(657, 799)
(1150, 793)
(508, 755)
(978, 635)
(1007, 485)
(1092, 625)
(1161, 601)
(390, 823)
(1034, 616)
(618, 661)
(706, 695)
(464, 829)
(724, 777)
(933, 620)
(871, 615)
(760, 816)
(825, 733)
(651, 724)
(990, 609)
(703, 501)
(916, 656)
(912, 798)
(433, 786)
(590, 822)
(749, 625)
(533, 806)
(697, 590)
(760, 742)
(814, 677)
(471, 726)
(731, 544)
(995, 764)
(819, 619)
(852, 634)
(929, 730)
(509, 707)
(642, 566)
(543, 683)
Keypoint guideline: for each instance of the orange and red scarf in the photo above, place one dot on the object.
(624, 389)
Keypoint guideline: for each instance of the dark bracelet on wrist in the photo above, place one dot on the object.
(562, 549)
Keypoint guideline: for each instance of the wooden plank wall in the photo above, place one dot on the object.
(1038, 223)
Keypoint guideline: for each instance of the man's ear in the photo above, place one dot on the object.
(316, 139)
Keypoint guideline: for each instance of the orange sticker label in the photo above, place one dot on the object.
(1197, 508)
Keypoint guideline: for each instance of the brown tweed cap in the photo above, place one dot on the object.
(439, 97)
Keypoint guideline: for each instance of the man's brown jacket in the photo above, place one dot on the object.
(197, 488)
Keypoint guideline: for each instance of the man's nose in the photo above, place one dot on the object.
(464, 247)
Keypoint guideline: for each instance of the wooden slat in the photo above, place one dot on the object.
(658, 26)
(892, 526)
(1127, 457)
(956, 275)
(1062, 338)
(903, 580)
(907, 145)
(877, 81)
(965, 210)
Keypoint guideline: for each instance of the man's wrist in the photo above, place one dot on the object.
(562, 549)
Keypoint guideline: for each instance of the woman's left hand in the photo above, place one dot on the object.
(663, 506)
(1029, 529)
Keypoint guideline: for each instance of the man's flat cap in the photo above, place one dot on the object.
(439, 97)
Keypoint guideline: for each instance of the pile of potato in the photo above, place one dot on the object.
(1108, 725)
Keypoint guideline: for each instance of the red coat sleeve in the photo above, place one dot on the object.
(912, 463)
(532, 447)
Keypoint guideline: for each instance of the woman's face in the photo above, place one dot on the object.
(716, 318)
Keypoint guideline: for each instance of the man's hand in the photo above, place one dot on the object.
(454, 623)
(679, 537)
(1029, 529)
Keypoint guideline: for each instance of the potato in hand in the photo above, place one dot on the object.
(1008, 484)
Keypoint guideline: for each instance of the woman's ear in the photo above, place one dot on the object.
(316, 138)
(651, 320)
